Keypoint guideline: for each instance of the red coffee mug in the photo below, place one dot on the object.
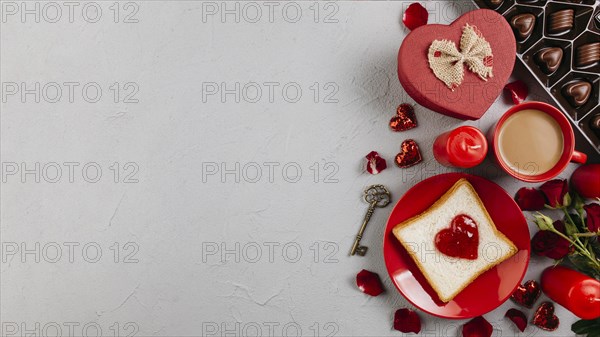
(568, 155)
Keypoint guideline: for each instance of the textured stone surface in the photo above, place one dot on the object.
(173, 223)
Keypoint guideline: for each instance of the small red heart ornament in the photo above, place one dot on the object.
(545, 318)
(409, 155)
(405, 118)
(527, 293)
(517, 317)
(460, 240)
(472, 98)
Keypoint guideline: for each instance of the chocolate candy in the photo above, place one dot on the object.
(494, 3)
(588, 54)
(577, 92)
(549, 59)
(522, 25)
(595, 123)
(561, 21)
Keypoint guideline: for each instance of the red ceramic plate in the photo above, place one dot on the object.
(490, 289)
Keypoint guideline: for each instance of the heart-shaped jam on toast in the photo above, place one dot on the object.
(460, 240)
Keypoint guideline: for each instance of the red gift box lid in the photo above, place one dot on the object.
(473, 97)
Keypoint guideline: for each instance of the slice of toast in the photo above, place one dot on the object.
(448, 275)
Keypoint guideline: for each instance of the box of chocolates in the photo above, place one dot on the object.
(559, 42)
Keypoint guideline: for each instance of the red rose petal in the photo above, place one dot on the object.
(527, 294)
(406, 320)
(415, 16)
(544, 317)
(477, 327)
(518, 91)
(555, 191)
(375, 163)
(410, 154)
(592, 221)
(405, 118)
(518, 317)
(530, 199)
(369, 283)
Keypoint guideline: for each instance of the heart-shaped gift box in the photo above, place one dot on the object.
(471, 98)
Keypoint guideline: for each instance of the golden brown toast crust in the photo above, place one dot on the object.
(436, 205)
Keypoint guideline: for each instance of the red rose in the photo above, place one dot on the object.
(593, 217)
(555, 191)
(547, 243)
(530, 199)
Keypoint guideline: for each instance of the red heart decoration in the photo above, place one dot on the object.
(405, 118)
(410, 154)
(545, 318)
(527, 293)
(460, 240)
(472, 98)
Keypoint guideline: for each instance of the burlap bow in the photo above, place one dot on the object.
(447, 62)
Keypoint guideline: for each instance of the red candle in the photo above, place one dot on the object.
(462, 147)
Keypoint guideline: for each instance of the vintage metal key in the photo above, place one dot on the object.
(376, 196)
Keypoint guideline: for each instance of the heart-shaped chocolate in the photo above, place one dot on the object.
(409, 155)
(494, 3)
(473, 97)
(549, 59)
(527, 293)
(578, 92)
(461, 239)
(544, 317)
(405, 118)
(523, 25)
